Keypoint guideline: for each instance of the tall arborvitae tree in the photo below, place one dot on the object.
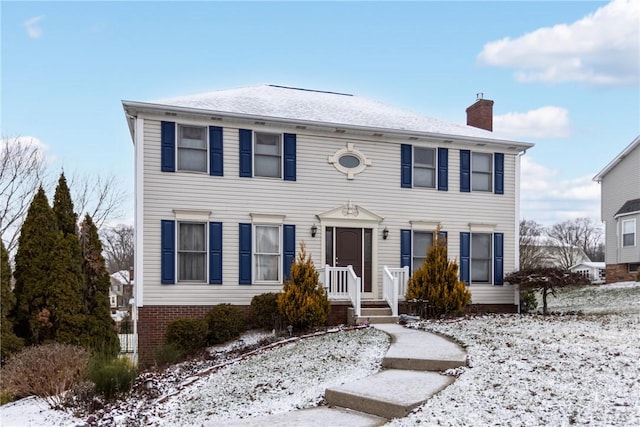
(63, 208)
(9, 342)
(48, 279)
(436, 281)
(38, 236)
(96, 291)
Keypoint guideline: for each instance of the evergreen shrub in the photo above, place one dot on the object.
(111, 375)
(264, 310)
(167, 354)
(528, 301)
(225, 322)
(188, 334)
(304, 302)
(45, 371)
(436, 282)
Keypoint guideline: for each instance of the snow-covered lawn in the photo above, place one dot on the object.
(524, 370)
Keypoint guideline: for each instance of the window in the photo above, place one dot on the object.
(268, 155)
(192, 148)
(267, 254)
(192, 252)
(481, 171)
(480, 258)
(633, 267)
(424, 167)
(629, 232)
(422, 240)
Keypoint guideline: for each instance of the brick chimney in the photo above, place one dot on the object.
(480, 114)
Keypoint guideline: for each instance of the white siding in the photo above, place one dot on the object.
(622, 183)
(319, 188)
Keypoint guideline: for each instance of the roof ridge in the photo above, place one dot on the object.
(310, 90)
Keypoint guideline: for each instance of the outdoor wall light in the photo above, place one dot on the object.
(385, 233)
(314, 230)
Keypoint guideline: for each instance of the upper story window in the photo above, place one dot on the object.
(629, 232)
(192, 148)
(481, 171)
(267, 159)
(424, 167)
(192, 252)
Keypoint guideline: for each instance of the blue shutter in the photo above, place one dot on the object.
(465, 171)
(246, 159)
(168, 146)
(216, 165)
(405, 248)
(498, 258)
(289, 248)
(443, 169)
(289, 157)
(465, 259)
(498, 160)
(405, 165)
(245, 254)
(215, 253)
(168, 255)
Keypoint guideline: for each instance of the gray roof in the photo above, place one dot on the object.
(321, 108)
(629, 207)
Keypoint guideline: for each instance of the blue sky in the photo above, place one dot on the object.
(564, 75)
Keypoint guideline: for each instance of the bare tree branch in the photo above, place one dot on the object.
(118, 247)
(576, 238)
(22, 171)
(531, 251)
(102, 198)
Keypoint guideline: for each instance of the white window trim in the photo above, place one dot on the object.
(253, 154)
(491, 258)
(435, 167)
(253, 254)
(207, 147)
(482, 227)
(206, 252)
(490, 173)
(622, 233)
(349, 150)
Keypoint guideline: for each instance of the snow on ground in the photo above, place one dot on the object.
(579, 368)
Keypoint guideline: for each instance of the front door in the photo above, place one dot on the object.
(352, 246)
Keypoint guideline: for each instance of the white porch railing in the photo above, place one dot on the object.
(394, 286)
(342, 283)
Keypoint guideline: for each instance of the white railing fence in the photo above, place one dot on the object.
(390, 290)
(342, 283)
(402, 274)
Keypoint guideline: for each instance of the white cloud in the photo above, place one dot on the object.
(548, 199)
(544, 122)
(25, 141)
(603, 48)
(32, 26)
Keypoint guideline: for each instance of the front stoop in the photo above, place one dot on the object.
(389, 394)
(374, 315)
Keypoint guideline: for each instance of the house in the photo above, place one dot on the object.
(121, 290)
(550, 252)
(230, 183)
(594, 271)
(620, 211)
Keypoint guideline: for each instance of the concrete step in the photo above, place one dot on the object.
(378, 319)
(389, 394)
(375, 311)
(320, 416)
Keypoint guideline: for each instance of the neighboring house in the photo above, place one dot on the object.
(550, 252)
(121, 290)
(594, 271)
(620, 211)
(230, 183)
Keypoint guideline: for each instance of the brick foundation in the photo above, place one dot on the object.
(619, 273)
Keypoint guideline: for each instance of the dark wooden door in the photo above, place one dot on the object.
(349, 248)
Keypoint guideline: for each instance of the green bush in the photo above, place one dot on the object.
(528, 301)
(111, 375)
(167, 354)
(5, 397)
(436, 281)
(188, 334)
(304, 302)
(45, 371)
(225, 322)
(264, 310)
